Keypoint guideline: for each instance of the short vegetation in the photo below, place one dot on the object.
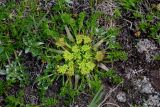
(69, 48)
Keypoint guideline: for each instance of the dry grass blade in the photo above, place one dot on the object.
(108, 95)
(101, 65)
(69, 35)
(111, 104)
(98, 44)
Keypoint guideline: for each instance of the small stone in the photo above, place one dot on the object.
(121, 97)
(33, 100)
(146, 46)
(153, 101)
(1, 99)
(76, 106)
(144, 86)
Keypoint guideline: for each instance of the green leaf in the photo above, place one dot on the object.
(39, 43)
(81, 19)
(1, 49)
(97, 98)
(85, 48)
(68, 56)
(27, 50)
(117, 55)
(62, 69)
(67, 19)
(49, 101)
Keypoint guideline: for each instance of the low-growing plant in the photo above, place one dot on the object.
(148, 27)
(17, 100)
(95, 84)
(49, 102)
(157, 57)
(129, 4)
(68, 93)
(13, 101)
(80, 57)
(114, 77)
(2, 87)
(47, 79)
(14, 72)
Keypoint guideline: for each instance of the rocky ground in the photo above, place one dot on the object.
(141, 73)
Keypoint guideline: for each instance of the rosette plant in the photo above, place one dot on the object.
(78, 56)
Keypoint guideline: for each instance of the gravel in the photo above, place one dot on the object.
(147, 47)
(121, 97)
(153, 101)
(144, 85)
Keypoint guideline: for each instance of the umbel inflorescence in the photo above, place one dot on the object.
(80, 57)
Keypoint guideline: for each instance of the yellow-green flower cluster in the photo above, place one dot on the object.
(79, 57)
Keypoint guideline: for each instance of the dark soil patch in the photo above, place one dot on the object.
(31, 95)
(155, 79)
(34, 66)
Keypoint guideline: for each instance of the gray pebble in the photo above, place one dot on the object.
(121, 97)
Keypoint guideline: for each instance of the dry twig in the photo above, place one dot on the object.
(108, 95)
